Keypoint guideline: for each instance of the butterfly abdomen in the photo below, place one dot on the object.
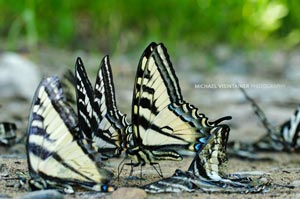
(142, 156)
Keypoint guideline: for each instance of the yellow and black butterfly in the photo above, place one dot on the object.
(206, 173)
(57, 155)
(162, 122)
(98, 116)
(7, 133)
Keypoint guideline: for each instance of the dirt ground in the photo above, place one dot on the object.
(284, 170)
(278, 103)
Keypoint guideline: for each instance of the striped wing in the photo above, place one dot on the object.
(290, 131)
(206, 173)
(68, 86)
(99, 118)
(7, 133)
(203, 172)
(87, 118)
(209, 166)
(160, 117)
(209, 163)
(56, 154)
(179, 182)
(112, 123)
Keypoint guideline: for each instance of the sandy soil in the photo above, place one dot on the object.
(279, 104)
(284, 170)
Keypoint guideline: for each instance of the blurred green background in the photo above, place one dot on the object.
(113, 26)
(209, 42)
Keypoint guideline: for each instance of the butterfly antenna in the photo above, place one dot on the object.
(218, 121)
(260, 114)
(120, 168)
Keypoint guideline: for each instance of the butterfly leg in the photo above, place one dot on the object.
(132, 165)
(120, 168)
(158, 170)
(130, 176)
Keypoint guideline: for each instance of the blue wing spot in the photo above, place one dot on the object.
(202, 140)
(104, 188)
(197, 147)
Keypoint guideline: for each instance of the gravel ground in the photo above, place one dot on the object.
(201, 89)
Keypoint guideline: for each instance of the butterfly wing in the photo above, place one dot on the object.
(87, 118)
(161, 118)
(7, 133)
(56, 154)
(68, 86)
(290, 131)
(209, 162)
(112, 125)
(205, 172)
(99, 117)
(196, 177)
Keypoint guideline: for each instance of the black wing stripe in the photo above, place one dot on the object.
(87, 118)
(290, 130)
(165, 66)
(139, 77)
(100, 93)
(109, 87)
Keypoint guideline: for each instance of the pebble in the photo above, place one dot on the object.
(18, 77)
(3, 195)
(292, 70)
(89, 195)
(296, 183)
(129, 193)
(43, 194)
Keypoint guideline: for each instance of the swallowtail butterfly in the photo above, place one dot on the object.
(57, 155)
(98, 116)
(162, 121)
(282, 138)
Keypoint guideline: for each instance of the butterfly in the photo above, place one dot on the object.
(162, 121)
(57, 155)
(207, 173)
(7, 133)
(282, 138)
(98, 116)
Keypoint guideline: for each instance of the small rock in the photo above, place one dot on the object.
(18, 77)
(295, 183)
(4, 170)
(292, 68)
(223, 53)
(43, 194)
(3, 195)
(91, 194)
(129, 193)
(17, 149)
